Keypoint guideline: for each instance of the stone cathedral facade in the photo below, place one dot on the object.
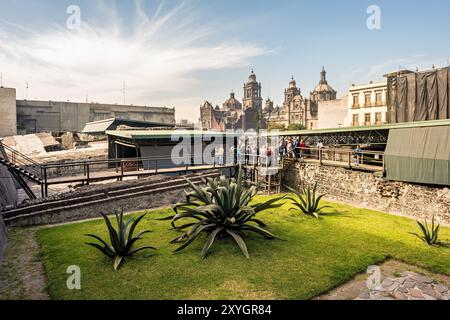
(251, 114)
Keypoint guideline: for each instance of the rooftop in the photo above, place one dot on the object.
(406, 125)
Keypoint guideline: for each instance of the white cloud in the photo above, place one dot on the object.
(158, 53)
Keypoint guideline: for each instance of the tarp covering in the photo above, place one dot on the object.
(419, 96)
(419, 155)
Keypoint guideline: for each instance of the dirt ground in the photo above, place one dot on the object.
(22, 274)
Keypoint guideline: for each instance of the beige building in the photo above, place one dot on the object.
(332, 114)
(367, 105)
(8, 126)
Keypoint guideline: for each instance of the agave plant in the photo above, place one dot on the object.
(221, 209)
(429, 235)
(122, 239)
(307, 201)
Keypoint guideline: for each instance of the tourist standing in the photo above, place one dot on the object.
(358, 155)
(302, 148)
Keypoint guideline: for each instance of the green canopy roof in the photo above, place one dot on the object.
(419, 155)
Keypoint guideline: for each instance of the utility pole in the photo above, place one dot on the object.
(1, 79)
(27, 91)
(124, 93)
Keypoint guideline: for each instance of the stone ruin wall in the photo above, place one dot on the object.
(367, 190)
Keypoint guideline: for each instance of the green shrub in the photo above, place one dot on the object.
(122, 239)
(221, 208)
(429, 235)
(307, 201)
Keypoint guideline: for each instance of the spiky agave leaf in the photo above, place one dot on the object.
(308, 202)
(122, 239)
(429, 235)
(221, 207)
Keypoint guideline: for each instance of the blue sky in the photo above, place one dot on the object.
(180, 53)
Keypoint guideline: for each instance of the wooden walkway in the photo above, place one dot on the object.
(340, 164)
(113, 174)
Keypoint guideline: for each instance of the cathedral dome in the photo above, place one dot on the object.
(323, 87)
(232, 103)
(323, 91)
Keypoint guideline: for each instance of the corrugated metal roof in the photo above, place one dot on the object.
(165, 134)
(103, 125)
(98, 126)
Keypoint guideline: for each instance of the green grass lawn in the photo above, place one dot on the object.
(317, 255)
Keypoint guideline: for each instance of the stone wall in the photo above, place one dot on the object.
(367, 190)
(2, 237)
(129, 203)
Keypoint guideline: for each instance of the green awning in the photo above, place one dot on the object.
(419, 155)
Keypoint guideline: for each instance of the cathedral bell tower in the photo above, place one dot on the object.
(252, 104)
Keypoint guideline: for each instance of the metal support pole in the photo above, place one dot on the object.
(45, 182)
(88, 174)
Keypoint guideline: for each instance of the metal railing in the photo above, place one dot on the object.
(22, 161)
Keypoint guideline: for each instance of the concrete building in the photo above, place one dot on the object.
(367, 105)
(332, 114)
(56, 116)
(8, 126)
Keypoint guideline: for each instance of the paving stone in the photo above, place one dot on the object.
(364, 295)
(408, 274)
(416, 293)
(400, 295)
(393, 287)
(440, 288)
(429, 291)
(387, 283)
(374, 296)
(402, 289)
(401, 280)
(422, 279)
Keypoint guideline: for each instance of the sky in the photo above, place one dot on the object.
(181, 53)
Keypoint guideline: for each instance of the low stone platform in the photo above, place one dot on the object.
(398, 281)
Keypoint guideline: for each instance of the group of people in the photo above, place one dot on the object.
(292, 148)
(295, 148)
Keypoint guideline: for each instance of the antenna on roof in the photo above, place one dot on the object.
(124, 93)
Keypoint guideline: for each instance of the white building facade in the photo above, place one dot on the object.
(367, 105)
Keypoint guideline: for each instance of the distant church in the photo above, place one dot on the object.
(252, 115)
(298, 110)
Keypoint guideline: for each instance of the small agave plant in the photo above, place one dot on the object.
(221, 209)
(307, 201)
(429, 235)
(122, 239)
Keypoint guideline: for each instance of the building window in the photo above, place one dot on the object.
(378, 119)
(355, 120)
(379, 99)
(355, 101)
(367, 119)
(368, 100)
